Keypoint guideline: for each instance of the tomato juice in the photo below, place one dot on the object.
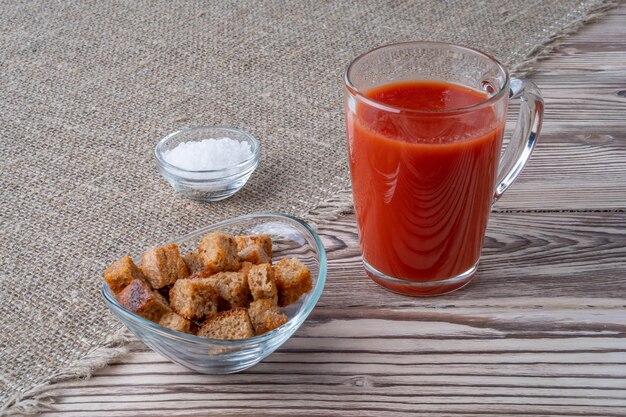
(423, 160)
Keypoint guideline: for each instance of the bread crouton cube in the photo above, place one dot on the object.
(120, 273)
(264, 241)
(265, 316)
(139, 298)
(232, 287)
(205, 273)
(229, 325)
(194, 298)
(245, 268)
(162, 266)
(292, 280)
(254, 254)
(175, 322)
(194, 262)
(218, 251)
(262, 284)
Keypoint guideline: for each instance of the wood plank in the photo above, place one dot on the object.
(541, 255)
(557, 346)
(298, 380)
(580, 159)
(570, 373)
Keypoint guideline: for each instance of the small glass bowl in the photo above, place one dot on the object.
(291, 237)
(207, 185)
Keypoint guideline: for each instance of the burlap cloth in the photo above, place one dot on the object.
(87, 89)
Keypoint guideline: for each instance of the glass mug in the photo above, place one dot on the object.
(425, 122)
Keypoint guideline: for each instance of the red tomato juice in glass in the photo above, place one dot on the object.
(423, 177)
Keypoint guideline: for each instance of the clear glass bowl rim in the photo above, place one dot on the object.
(173, 168)
(299, 318)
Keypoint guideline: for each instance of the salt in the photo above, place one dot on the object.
(208, 154)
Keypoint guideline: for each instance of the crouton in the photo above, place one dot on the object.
(218, 251)
(264, 241)
(175, 322)
(120, 273)
(162, 266)
(245, 268)
(254, 254)
(228, 288)
(194, 262)
(194, 298)
(265, 316)
(232, 287)
(292, 280)
(231, 325)
(261, 283)
(139, 298)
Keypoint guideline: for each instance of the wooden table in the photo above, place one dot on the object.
(541, 331)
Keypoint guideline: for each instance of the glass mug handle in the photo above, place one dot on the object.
(525, 134)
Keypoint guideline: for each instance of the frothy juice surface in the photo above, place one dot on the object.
(423, 183)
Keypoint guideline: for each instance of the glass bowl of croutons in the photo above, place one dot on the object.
(221, 298)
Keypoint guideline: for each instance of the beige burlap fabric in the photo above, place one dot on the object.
(87, 89)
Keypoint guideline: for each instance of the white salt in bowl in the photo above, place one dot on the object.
(207, 184)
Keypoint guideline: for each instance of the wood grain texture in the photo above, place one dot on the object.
(579, 162)
(556, 345)
(542, 255)
(540, 332)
